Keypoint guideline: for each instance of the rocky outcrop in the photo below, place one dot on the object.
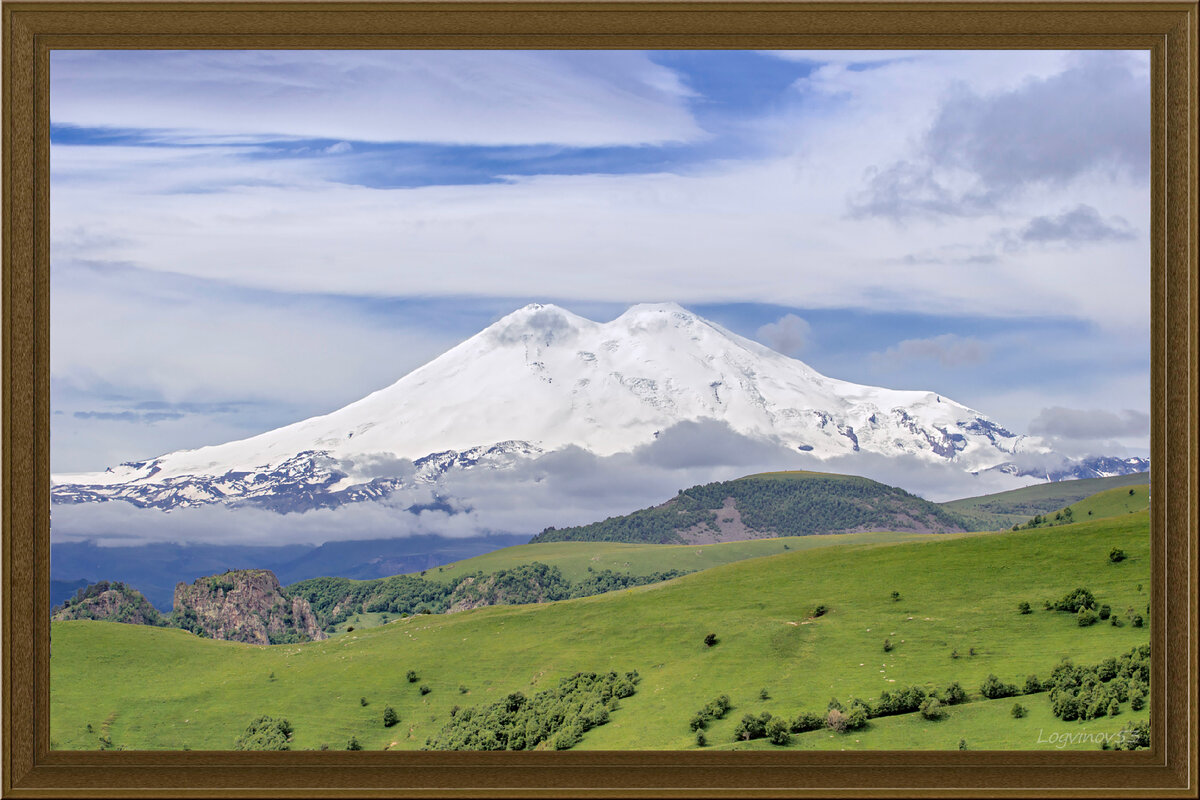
(114, 602)
(244, 606)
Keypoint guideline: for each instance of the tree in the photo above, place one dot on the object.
(778, 731)
(807, 721)
(835, 720)
(1018, 711)
(390, 717)
(895, 596)
(424, 689)
(266, 733)
(1024, 607)
(362, 701)
(701, 740)
(752, 727)
(857, 718)
(931, 709)
(887, 645)
(763, 694)
(821, 610)
(412, 676)
(353, 744)
(1033, 685)
(1116, 555)
(710, 640)
(962, 744)
(1105, 611)
(954, 694)
(1073, 601)
(1086, 617)
(993, 688)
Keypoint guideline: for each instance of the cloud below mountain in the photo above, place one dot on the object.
(566, 487)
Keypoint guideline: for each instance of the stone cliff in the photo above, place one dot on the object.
(244, 606)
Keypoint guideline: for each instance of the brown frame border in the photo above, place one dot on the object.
(31, 29)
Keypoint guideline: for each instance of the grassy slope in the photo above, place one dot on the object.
(1112, 503)
(157, 688)
(574, 558)
(1004, 509)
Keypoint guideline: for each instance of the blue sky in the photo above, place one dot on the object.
(244, 239)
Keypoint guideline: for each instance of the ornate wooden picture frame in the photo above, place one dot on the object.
(31, 30)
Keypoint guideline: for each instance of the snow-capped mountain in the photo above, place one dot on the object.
(541, 379)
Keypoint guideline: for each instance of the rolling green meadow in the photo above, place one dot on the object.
(1015, 507)
(955, 619)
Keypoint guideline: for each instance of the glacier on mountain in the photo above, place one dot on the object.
(542, 379)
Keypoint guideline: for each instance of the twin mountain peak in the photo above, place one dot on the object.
(541, 379)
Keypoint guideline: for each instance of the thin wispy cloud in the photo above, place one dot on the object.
(585, 98)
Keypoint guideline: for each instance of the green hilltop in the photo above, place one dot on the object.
(1108, 503)
(1004, 509)
(768, 505)
(922, 613)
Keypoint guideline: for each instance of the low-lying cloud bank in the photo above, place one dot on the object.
(566, 487)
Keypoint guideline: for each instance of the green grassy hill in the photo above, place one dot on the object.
(769, 504)
(576, 562)
(1109, 503)
(152, 688)
(1002, 510)
(575, 558)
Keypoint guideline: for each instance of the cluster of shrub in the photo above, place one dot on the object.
(716, 708)
(784, 506)
(1131, 737)
(842, 718)
(558, 716)
(1087, 610)
(334, 600)
(1063, 517)
(266, 733)
(1075, 693)
(1083, 693)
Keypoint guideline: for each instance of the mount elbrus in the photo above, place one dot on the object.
(541, 379)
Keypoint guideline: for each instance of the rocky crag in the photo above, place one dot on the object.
(114, 602)
(244, 606)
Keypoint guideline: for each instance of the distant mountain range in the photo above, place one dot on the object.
(542, 379)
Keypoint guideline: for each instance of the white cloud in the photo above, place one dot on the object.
(563, 488)
(1092, 423)
(754, 232)
(789, 335)
(148, 337)
(773, 229)
(490, 97)
(948, 349)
